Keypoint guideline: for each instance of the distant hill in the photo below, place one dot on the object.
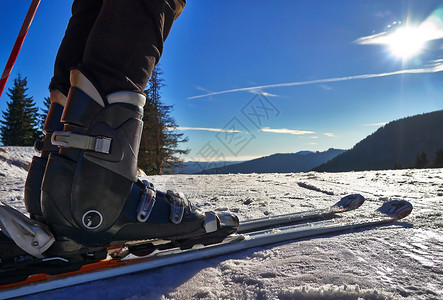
(397, 142)
(193, 167)
(279, 163)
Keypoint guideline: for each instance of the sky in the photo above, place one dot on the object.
(253, 78)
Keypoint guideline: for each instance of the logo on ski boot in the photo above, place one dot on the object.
(92, 219)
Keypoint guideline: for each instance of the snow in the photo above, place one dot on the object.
(400, 261)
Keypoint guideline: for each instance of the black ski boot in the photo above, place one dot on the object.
(91, 197)
(19, 234)
(38, 165)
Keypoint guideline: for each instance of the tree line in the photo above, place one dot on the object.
(422, 161)
(398, 144)
(160, 144)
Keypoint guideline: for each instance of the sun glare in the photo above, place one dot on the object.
(406, 42)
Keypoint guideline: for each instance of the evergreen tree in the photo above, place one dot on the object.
(159, 144)
(45, 111)
(438, 159)
(421, 161)
(20, 121)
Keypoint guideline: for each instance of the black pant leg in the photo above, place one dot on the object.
(70, 53)
(126, 42)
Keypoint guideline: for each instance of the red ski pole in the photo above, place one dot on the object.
(18, 44)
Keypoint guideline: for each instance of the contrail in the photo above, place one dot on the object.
(438, 67)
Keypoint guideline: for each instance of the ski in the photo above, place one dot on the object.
(30, 233)
(141, 248)
(347, 203)
(389, 212)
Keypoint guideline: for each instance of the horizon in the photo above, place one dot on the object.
(240, 159)
(283, 78)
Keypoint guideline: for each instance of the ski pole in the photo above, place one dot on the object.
(18, 44)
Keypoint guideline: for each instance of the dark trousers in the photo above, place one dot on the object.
(114, 43)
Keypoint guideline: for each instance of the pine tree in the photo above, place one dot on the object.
(45, 111)
(398, 165)
(438, 159)
(421, 161)
(159, 144)
(20, 121)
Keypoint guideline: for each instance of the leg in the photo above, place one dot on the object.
(90, 191)
(123, 59)
(70, 53)
(37, 168)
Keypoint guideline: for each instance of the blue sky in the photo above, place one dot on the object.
(253, 78)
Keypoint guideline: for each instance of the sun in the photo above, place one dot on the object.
(408, 39)
(407, 42)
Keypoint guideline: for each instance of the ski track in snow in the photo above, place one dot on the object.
(401, 261)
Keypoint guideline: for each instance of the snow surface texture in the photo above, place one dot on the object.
(401, 261)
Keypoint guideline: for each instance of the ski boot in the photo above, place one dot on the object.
(91, 197)
(18, 232)
(38, 165)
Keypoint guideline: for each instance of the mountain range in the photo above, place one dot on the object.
(397, 144)
(279, 163)
(394, 145)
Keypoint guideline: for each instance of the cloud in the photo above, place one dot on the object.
(260, 92)
(378, 38)
(430, 29)
(287, 131)
(382, 14)
(200, 88)
(330, 134)
(236, 158)
(376, 124)
(436, 66)
(203, 129)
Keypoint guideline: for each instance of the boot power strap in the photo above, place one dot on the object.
(67, 139)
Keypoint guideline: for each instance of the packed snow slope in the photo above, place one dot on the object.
(401, 261)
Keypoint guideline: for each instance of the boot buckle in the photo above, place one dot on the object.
(147, 201)
(67, 139)
(177, 207)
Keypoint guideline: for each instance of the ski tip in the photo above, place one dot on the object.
(396, 209)
(351, 202)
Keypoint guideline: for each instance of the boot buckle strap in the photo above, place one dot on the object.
(147, 201)
(67, 139)
(177, 207)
